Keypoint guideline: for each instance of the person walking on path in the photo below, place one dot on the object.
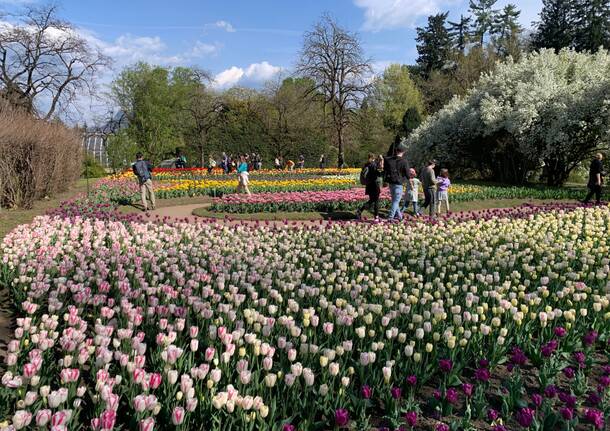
(372, 176)
(396, 173)
(596, 174)
(442, 195)
(301, 164)
(322, 162)
(412, 192)
(428, 179)
(243, 176)
(143, 172)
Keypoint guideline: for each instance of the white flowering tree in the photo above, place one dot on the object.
(548, 110)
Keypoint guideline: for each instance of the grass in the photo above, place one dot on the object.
(346, 215)
(11, 218)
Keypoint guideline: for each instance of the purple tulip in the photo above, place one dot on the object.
(595, 417)
(482, 374)
(412, 380)
(549, 348)
(537, 400)
(483, 363)
(396, 392)
(560, 331)
(590, 338)
(411, 418)
(467, 388)
(451, 395)
(366, 392)
(604, 381)
(579, 357)
(550, 391)
(567, 413)
(567, 399)
(492, 415)
(568, 372)
(525, 417)
(593, 398)
(442, 427)
(289, 427)
(445, 365)
(518, 357)
(341, 417)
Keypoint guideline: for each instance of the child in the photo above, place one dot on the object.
(442, 195)
(412, 192)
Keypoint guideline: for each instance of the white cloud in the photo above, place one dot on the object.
(201, 49)
(389, 14)
(253, 74)
(224, 25)
(229, 77)
(386, 14)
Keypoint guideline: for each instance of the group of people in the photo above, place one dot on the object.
(394, 171)
(231, 163)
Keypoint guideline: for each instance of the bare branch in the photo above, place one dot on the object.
(333, 58)
(45, 64)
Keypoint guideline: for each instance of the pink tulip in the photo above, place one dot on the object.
(61, 418)
(107, 419)
(43, 417)
(177, 415)
(209, 354)
(21, 419)
(147, 424)
(155, 380)
(139, 403)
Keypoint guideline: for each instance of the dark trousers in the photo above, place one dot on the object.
(594, 190)
(372, 203)
(430, 200)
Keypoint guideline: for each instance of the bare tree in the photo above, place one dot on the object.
(45, 64)
(333, 58)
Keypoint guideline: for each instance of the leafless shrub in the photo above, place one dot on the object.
(37, 158)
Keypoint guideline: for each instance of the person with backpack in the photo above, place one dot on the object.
(371, 176)
(396, 173)
(143, 172)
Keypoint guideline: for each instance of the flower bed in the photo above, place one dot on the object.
(351, 199)
(323, 201)
(468, 323)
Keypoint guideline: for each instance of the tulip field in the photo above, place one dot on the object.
(498, 320)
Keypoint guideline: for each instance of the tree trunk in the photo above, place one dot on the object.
(340, 160)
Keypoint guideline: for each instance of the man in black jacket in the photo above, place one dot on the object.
(596, 173)
(396, 173)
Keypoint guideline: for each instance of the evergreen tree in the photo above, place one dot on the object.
(593, 25)
(555, 30)
(459, 32)
(506, 30)
(484, 15)
(433, 44)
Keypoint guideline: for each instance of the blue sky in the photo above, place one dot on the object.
(246, 42)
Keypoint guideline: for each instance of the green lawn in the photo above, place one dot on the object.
(11, 218)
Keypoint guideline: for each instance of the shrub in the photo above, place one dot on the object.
(37, 159)
(91, 168)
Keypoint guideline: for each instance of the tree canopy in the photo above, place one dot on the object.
(546, 111)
